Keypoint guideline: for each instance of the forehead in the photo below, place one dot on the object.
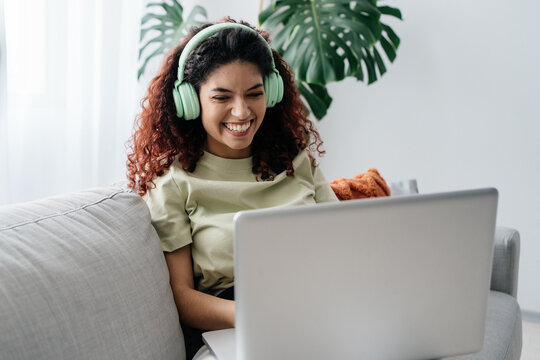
(236, 73)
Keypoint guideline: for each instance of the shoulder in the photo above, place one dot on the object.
(169, 183)
(305, 166)
(304, 161)
(302, 156)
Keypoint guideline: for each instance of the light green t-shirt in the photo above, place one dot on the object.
(198, 208)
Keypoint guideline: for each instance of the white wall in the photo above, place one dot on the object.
(458, 109)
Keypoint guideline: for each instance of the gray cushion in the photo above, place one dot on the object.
(504, 276)
(83, 276)
(403, 187)
(503, 337)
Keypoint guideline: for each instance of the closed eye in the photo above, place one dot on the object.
(220, 98)
(256, 94)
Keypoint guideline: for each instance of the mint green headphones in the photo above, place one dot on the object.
(184, 94)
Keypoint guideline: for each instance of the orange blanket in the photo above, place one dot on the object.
(365, 185)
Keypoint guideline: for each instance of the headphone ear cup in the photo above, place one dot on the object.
(189, 101)
(273, 87)
(178, 99)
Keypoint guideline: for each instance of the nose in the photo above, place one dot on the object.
(240, 108)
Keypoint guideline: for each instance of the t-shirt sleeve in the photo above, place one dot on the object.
(323, 191)
(168, 213)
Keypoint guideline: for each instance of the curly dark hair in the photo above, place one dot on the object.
(160, 137)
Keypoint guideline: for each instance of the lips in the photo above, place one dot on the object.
(238, 127)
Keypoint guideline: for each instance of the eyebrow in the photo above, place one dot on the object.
(256, 86)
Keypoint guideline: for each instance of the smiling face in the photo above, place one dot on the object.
(233, 104)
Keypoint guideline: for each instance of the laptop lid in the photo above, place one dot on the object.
(222, 343)
(387, 278)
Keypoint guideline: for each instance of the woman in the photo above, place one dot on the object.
(236, 138)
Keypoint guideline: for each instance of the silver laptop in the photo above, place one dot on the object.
(387, 278)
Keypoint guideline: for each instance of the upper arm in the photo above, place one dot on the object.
(195, 308)
(180, 268)
(167, 205)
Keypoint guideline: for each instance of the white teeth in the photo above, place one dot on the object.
(238, 127)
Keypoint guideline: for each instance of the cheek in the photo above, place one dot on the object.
(261, 108)
(209, 114)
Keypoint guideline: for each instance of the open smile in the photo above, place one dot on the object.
(238, 128)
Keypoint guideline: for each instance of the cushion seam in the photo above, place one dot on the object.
(82, 207)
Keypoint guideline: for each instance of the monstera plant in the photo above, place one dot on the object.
(165, 22)
(322, 40)
(327, 40)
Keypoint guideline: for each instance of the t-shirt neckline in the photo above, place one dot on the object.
(227, 164)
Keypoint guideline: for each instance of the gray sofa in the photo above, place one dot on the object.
(82, 276)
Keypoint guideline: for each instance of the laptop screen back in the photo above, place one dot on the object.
(405, 277)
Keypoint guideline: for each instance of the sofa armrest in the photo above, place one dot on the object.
(504, 274)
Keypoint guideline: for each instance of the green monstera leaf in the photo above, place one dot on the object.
(164, 28)
(327, 40)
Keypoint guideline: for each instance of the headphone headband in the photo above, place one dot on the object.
(205, 33)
